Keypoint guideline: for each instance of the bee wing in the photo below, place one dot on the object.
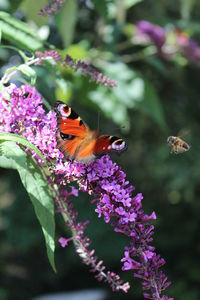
(183, 132)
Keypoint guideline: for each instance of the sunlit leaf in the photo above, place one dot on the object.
(63, 90)
(6, 136)
(132, 91)
(28, 71)
(31, 8)
(76, 51)
(18, 32)
(130, 3)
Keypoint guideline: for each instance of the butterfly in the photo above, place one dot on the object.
(76, 141)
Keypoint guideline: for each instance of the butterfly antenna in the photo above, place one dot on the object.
(98, 121)
(119, 128)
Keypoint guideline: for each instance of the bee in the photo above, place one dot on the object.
(177, 144)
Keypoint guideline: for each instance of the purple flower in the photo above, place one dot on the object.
(74, 191)
(149, 32)
(129, 263)
(22, 112)
(189, 47)
(48, 54)
(120, 211)
(52, 7)
(129, 217)
(95, 76)
(64, 242)
(75, 65)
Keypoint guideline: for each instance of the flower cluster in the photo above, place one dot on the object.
(168, 43)
(103, 179)
(52, 7)
(148, 32)
(188, 47)
(95, 75)
(76, 65)
(21, 112)
(48, 54)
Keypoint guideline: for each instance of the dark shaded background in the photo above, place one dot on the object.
(100, 32)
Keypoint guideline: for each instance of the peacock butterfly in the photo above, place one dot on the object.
(76, 141)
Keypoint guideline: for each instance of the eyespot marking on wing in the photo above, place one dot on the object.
(118, 145)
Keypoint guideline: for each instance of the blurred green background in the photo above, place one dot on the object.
(155, 98)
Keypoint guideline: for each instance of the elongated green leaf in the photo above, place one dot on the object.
(66, 21)
(18, 32)
(152, 106)
(6, 136)
(40, 193)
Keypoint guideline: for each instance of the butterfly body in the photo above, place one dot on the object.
(77, 141)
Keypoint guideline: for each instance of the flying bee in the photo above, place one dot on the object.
(177, 144)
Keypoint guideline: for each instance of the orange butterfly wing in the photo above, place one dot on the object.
(73, 136)
(69, 122)
(77, 141)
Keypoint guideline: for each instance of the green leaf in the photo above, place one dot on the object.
(186, 8)
(28, 71)
(40, 193)
(130, 3)
(115, 8)
(14, 5)
(151, 105)
(116, 102)
(132, 91)
(101, 7)
(66, 21)
(76, 51)
(6, 136)
(31, 9)
(63, 90)
(18, 32)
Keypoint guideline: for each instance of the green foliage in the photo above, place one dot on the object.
(19, 33)
(31, 9)
(5, 136)
(151, 105)
(28, 71)
(41, 195)
(132, 91)
(102, 7)
(66, 21)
